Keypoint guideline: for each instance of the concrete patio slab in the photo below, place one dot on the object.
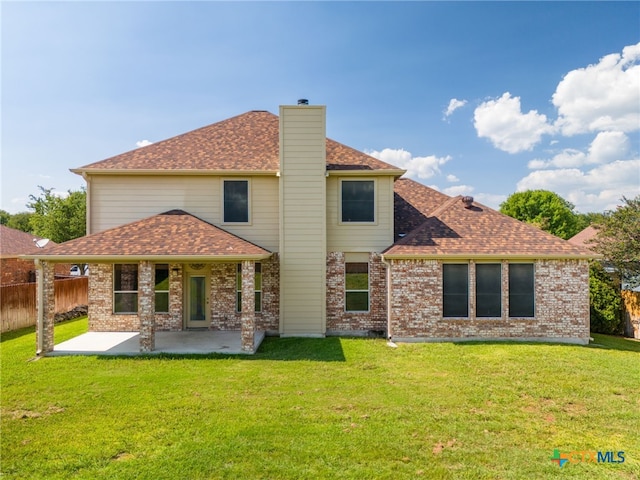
(128, 343)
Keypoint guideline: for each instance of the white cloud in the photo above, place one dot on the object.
(491, 200)
(605, 148)
(452, 178)
(503, 123)
(454, 104)
(416, 167)
(604, 96)
(458, 190)
(593, 190)
(143, 143)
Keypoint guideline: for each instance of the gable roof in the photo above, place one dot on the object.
(173, 235)
(15, 242)
(583, 237)
(247, 142)
(449, 229)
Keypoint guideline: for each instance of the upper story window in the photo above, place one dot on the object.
(236, 201)
(358, 201)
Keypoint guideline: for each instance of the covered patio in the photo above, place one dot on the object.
(123, 319)
(128, 343)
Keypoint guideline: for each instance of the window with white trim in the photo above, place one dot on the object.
(357, 201)
(257, 287)
(125, 288)
(162, 288)
(236, 201)
(488, 290)
(455, 290)
(356, 287)
(521, 290)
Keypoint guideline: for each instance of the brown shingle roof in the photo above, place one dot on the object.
(247, 142)
(582, 238)
(170, 234)
(412, 202)
(450, 229)
(15, 242)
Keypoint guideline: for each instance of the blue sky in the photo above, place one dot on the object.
(472, 98)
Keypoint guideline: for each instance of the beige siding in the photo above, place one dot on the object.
(375, 237)
(302, 220)
(116, 200)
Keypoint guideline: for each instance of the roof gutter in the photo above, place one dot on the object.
(489, 256)
(367, 173)
(149, 171)
(155, 258)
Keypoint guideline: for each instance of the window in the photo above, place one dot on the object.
(162, 288)
(257, 287)
(357, 201)
(236, 201)
(356, 281)
(455, 290)
(488, 290)
(125, 288)
(521, 290)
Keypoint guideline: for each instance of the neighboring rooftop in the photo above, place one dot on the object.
(582, 238)
(15, 242)
(247, 142)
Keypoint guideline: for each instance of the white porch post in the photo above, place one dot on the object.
(146, 305)
(248, 306)
(45, 295)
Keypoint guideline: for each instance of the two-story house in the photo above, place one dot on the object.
(261, 224)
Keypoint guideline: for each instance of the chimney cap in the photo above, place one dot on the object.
(303, 101)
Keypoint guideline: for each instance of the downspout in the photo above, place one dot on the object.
(40, 320)
(389, 335)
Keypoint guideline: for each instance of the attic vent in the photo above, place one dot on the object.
(467, 201)
(303, 101)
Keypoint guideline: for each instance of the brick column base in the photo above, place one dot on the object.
(146, 305)
(248, 327)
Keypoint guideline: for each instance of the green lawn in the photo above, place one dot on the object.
(331, 408)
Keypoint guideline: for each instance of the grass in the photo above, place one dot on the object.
(321, 408)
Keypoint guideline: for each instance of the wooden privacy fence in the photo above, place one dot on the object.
(18, 302)
(631, 313)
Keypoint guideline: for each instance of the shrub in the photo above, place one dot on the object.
(605, 301)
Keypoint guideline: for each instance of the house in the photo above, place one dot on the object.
(262, 225)
(13, 244)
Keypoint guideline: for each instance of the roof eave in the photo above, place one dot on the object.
(363, 172)
(127, 171)
(488, 256)
(156, 258)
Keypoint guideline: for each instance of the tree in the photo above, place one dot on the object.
(544, 209)
(4, 217)
(618, 240)
(56, 217)
(605, 303)
(21, 221)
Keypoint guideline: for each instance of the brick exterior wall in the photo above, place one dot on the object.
(222, 300)
(340, 321)
(561, 304)
(101, 316)
(16, 270)
(45, 336)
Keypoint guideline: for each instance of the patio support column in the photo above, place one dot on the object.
(146, 305)
(248, 306)
(46, 303)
